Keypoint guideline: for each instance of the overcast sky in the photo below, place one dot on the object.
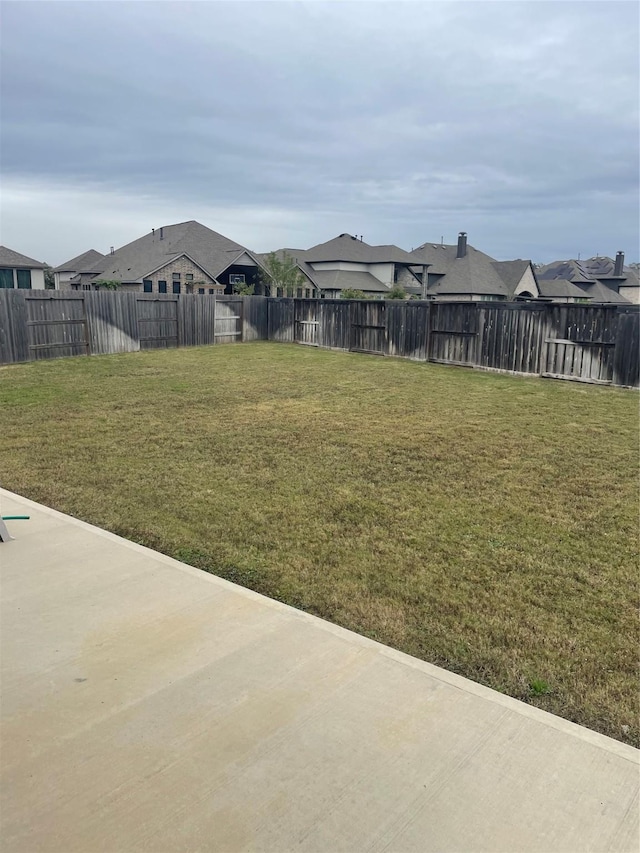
(285, 124)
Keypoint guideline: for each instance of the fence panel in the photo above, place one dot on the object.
(580, 342)
(281, 319)
(626, 362)
(228, 319)
(453, 335)
(14, 343)
(306, 322)
(368, 327)
(56, 327)
(196, 320)
(407, 329)
(511, 336)
(334, 331)
(255, 318)
(112, 321)
(157, 321)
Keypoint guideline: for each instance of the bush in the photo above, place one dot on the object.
(396, 292)
(349, 293)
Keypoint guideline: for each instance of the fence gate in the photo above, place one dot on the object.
(228, 320)
(157, 322)
(306, 322)
(581, 343)
(368, 327)
(56, 327)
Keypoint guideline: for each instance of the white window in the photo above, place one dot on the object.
(236, 278)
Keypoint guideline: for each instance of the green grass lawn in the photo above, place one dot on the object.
(485, 523)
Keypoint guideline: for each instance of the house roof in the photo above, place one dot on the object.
(349, 280)
(348, 248)
(511, 272)
(438, 256)
(82, 263)
(600, 292)
(561, 288)
(591, 269)
(596, 291)
(211, 251)
(11, 258)
(475, 273)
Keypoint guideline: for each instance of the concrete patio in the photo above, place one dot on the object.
(148, 706)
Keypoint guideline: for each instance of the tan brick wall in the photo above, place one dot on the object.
(185, 267)
(405, 279)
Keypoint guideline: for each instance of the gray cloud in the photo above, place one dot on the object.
(291, 122)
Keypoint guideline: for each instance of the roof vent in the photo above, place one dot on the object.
(112, 251)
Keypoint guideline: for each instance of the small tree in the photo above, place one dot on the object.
(396, 292)
(282, 274)
(107, 284)
(244, 289)
(49, 279)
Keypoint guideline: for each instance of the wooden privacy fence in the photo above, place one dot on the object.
(589, 343)
(48, 324)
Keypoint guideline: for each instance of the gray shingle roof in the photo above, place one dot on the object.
(83, 263)
(590, 269)
(511, 272)
(475, 273)
(561, 288)
(438, 256)
(211, 251)
(11, 258)
(349, 248)
(599, 292)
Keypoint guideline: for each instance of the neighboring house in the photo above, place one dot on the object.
(82, 264)
(19, 271)
(348, 263)
(462, 273)
(182, 258)
(598, 279)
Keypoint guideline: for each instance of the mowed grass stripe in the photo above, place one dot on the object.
(485, 523)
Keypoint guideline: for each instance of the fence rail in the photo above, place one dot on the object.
(588, 343)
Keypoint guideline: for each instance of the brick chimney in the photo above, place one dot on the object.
(462, 244)
(618, 270)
